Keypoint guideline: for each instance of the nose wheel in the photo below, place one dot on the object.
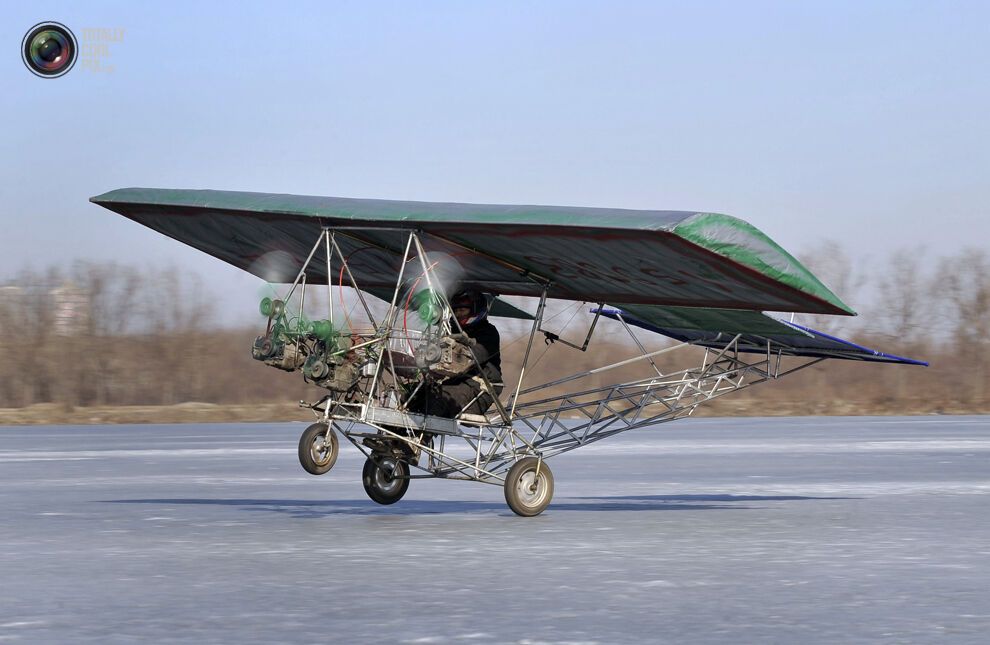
(529, 487)
(318, 448)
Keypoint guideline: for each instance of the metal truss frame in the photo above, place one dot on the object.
(483, 447)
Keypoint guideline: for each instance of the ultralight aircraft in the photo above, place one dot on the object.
(703, 279)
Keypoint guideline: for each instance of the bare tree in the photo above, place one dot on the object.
(962, 285)
(31, 354)
(839, 273)
(905, 307)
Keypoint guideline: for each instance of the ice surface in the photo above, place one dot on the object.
(811, 530)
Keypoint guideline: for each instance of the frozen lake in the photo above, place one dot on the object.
(810, 530)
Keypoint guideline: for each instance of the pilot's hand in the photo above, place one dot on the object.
(464, 339)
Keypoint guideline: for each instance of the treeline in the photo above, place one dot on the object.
(98, 334)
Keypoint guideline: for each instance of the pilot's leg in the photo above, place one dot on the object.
(469, 396)
(450, 399)
(429, 399)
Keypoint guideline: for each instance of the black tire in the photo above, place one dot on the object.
(387, 481)
(526, 493)
(318, 448)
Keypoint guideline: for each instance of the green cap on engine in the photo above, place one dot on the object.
(322, 329)
(266, 307)
(428, 306)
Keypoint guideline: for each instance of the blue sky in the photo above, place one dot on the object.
(861, 122)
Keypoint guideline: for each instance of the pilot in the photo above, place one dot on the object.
(467, 392)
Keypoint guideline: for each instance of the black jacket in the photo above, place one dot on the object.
(487, 348)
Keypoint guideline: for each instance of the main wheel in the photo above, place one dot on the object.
(526, 492)
(387, 481)
(318, 449)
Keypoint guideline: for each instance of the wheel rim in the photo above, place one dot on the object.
(384, 476)
(531, 490)
(320, 451)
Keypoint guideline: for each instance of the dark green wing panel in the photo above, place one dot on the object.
(675, 258)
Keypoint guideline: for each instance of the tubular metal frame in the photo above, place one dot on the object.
(483, 447)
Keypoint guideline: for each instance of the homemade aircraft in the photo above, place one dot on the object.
(703, 279)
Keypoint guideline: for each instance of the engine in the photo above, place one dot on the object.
(316, 348)
(278, 352)
(444, 356)
(328, 367)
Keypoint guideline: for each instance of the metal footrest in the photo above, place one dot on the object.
(412, 420)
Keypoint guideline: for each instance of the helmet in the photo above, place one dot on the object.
(475, 302)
